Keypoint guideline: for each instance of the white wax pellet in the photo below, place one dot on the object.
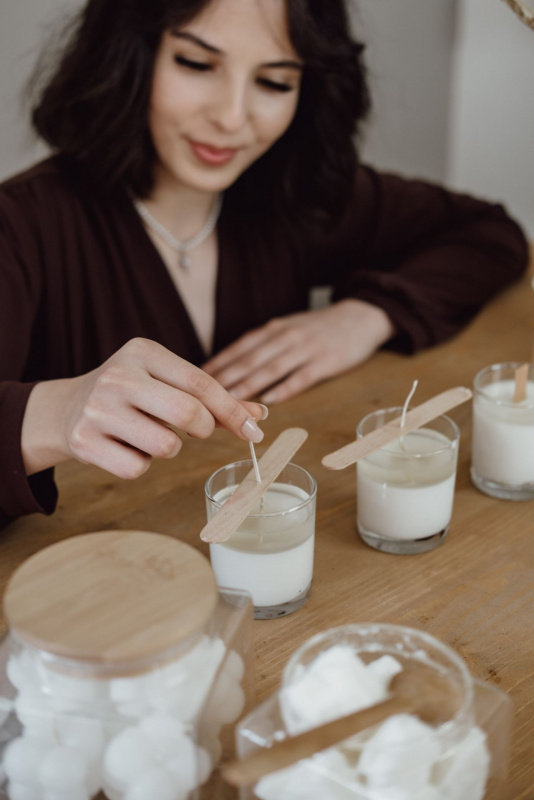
(213, 747)
(6, 706)
(204, 765)
(74, 694)
(226, 701)
(167, 735)
(23, 791)
(135, 709)
(127, 756)
(468, 769)
(183, 767)
(83, 734)
(63, 769)
(234, 666)
(34, 711)
(126, 690)
(21, 670)
(23, 757)
(400, 755)
(77, 794)
(157, 783)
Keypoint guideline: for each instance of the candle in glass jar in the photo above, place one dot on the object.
(270, 555)
(503, 434)
(406, 488)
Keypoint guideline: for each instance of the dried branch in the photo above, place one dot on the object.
(524, 13)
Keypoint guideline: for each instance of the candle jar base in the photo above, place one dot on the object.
(403, 547)
(502, 491)
(283, 609)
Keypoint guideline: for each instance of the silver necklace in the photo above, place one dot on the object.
(182, 248)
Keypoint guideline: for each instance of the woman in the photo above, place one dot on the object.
(123, 267)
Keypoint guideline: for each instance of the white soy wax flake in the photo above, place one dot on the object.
(467, 770)
(83, 734)
(63, 769)
(399, 756)
(156, 783)
(304, 782)
(336, 683)
(385, 668)
(23, 791)
(167, 735)
(204, 765)
(127, 756)
(128, 690)
(23, 757)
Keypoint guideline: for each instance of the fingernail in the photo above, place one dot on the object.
(264, 412)
(269, 398)
(251, 431)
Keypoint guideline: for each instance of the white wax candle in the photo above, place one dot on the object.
(503, 434)
(271, 554)
(403, 497)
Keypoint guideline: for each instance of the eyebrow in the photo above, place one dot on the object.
(285, 64)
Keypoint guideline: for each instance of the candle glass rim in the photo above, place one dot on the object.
(452, 443)
(248, 462)
(494, 368)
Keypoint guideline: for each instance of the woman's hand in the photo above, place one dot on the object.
(292, 353)
(121, 415)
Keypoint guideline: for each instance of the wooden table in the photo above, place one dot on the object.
(475, 593)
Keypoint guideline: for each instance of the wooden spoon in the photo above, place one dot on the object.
(419, 689)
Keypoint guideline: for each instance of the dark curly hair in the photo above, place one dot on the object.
(93, 109)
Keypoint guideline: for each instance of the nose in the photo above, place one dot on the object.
(229, 108)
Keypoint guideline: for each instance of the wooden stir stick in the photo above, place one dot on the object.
(520, 386)
(239, 505)
(418, 689)
(415, 418)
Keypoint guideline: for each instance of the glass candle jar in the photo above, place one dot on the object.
(503, 434)
(405, 490)
(270, 555)
(349, 668)
(123, 671)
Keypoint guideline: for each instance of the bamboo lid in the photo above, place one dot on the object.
(111, 597)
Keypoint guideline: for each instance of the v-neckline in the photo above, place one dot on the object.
(146, 242)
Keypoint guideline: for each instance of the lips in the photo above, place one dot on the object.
(214, 156)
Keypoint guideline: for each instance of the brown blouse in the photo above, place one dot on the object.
(79, 277)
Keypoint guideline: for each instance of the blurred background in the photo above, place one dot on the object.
(451, 82)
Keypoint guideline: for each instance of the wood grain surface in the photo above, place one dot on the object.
(475, 592)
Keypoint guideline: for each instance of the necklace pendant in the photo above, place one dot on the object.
(185, 261)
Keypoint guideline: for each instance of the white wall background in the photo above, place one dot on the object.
(452, 82)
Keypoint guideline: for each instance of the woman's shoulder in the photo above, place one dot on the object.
(44, 182)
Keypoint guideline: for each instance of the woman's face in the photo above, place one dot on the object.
(225, 88)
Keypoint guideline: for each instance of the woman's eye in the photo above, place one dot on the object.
(275, 86)
(199, 66)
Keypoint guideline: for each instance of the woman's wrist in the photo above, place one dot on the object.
(379, 326)
(42, 441)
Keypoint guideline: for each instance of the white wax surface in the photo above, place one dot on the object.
(503, 435)
(407, 498)
(271, 557)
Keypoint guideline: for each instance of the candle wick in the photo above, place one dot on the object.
(405, 408)
(407, 403)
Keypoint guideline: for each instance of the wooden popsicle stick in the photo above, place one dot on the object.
(239, 505)
(432, 696)
(415, 418)
(520, 386)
